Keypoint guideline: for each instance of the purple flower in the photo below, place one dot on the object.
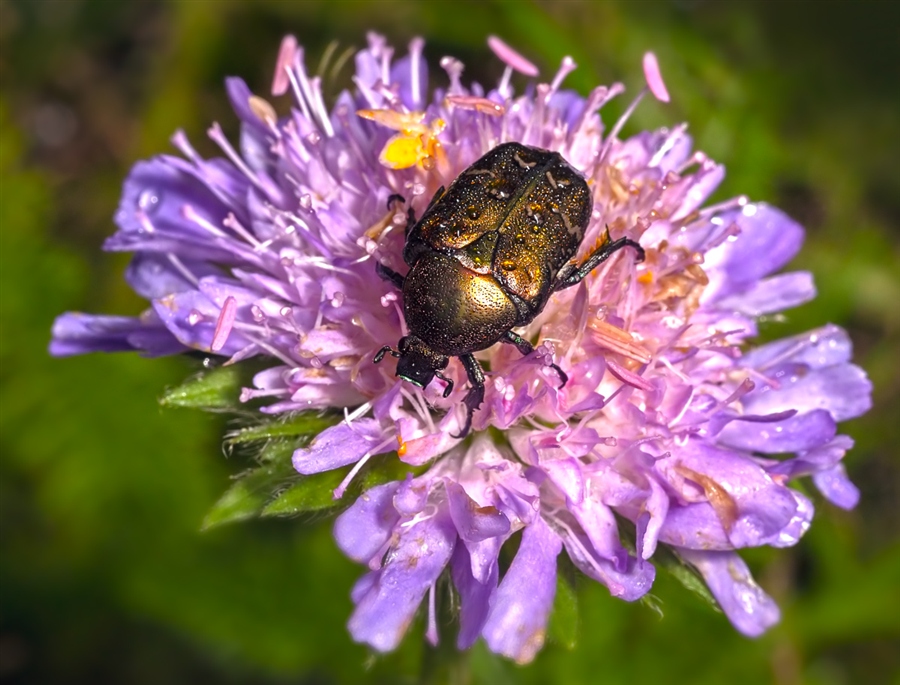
(671, 423)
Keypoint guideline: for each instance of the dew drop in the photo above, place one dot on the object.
(508, 265)
(257, 313)
(149, 200)
(285, 311)
(313, 138)
(337, 299)
(306, 201)
(195, 317)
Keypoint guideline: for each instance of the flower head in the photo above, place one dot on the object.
(670, 425)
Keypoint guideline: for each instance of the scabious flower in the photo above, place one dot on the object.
(671, 425)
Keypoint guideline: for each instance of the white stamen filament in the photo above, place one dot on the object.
(361, 410)
(182, 269)
(611, 137)
(340, 489)
(189, 213)
(218, 136)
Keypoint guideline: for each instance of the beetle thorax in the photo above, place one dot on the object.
(452, 309)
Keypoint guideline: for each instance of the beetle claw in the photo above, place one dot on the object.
(395, 197)
(449, 388)
(383, 351)
(562, 376)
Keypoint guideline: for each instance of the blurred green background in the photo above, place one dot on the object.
(105, 577)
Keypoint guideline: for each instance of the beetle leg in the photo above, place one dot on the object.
(383, 351)
(475, 396)
(446, 380)
(601, 254)
(396, 197)
(521, 344)
(389, 274)
(527, 348)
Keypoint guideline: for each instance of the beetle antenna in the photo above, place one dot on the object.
(383, 351)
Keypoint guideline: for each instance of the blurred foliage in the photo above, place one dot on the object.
(105, 576)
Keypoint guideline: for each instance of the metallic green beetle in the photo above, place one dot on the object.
(485, 258)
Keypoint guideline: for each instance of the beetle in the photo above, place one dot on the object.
(485, 257)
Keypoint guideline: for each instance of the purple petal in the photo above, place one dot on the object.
(239, 94)
(692, 191)
(365, 527)
(745, 603)
(77, 333)
(749, 504)
(844, 391)
(192, 316)
(694, 526)
(412, 495)
(151, 214)
(821, 458)
(338, 446)
(474, 523)
(794, 434)
(626, 578)
(474, 596)
(362, 586)
(773, 294)
(154, 275)
(836, 487)
(826, 346)
(768, 240)
(517, 623)
(413, 565)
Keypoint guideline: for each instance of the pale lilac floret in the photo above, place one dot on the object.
(671, 423)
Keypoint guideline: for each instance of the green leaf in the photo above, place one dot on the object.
(685, 574)
(255, 488)
(563, 625)
(387, 468)
(316, 492)
(310, 493)
(304, 423)
(216, 389)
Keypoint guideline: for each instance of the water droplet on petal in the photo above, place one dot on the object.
(149, 200)
(194, 317)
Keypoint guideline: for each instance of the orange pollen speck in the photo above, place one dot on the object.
(646, 278)
(401, 450)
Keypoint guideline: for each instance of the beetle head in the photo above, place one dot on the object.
(418, 363)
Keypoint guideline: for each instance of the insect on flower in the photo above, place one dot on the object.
(675, 429)
(486, 257)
